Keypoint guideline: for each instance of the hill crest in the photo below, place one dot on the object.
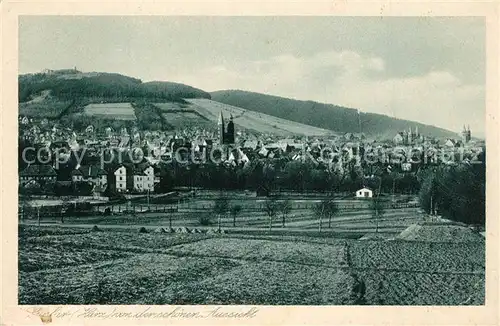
(326, 116)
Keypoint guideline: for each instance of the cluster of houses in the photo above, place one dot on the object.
(126, 178)
(197, 145)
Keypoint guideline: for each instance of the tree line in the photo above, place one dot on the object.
(282, 174)
(456, 192)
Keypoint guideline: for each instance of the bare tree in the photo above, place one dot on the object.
(235, 210)
(285, 207)
(377, 209)
(332, 210)
(319, 211)
(325, 209)
(65, 205)
(221, 207)
(271, 209)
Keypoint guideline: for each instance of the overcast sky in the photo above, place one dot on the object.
(430, 70)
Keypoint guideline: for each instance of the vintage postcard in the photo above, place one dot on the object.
(265, 163)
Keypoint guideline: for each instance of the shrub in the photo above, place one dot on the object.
(205, 219)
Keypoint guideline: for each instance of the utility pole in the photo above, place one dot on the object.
(393, 187)
(379, 187)
(149, 207)
(377, 202)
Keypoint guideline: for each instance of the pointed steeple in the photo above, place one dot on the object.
(221, 119)
(222, 130)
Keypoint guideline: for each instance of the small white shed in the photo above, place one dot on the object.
(364, 193)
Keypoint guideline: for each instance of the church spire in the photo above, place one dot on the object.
(221, 119)
(221, 126)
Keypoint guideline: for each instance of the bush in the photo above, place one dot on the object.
(205, 219)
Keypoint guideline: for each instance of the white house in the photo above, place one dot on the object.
(364, 193)
(144, 180)
(121, 179)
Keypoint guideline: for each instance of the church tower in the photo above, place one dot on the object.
(229, 137)
(466, 135)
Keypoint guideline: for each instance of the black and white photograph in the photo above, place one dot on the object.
(251, 160)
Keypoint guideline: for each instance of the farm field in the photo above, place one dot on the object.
(251, 120)
(183, 116)
(116, 111)
(81, 266)
(44, 108)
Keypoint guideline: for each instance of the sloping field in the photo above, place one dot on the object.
(43, 106)
(173, 106)
(256, 121)
(182, 116)
(115, 111)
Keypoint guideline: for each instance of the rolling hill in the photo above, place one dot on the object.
(326, 116)
(73, 84)
(63, 95)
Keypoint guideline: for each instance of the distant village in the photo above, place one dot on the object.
(133, 158)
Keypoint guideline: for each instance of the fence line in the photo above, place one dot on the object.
(98, 209)
(346, 207)
(105, 208)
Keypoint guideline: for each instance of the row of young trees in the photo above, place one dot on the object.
(272, 207)
(325, 211)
